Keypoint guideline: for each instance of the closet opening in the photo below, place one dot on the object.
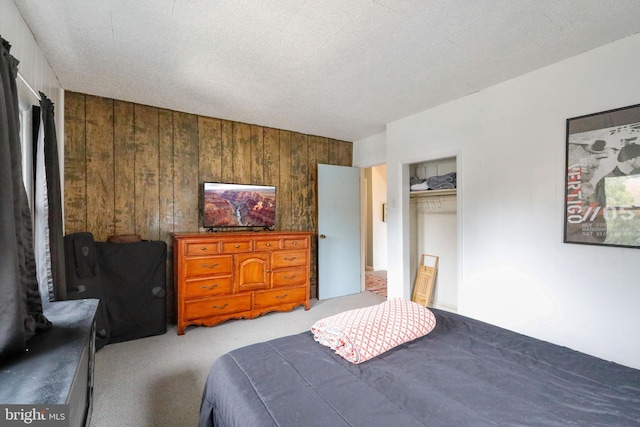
(433, 202)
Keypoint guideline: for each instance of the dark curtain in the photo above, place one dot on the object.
(20, 304)
(54, 199)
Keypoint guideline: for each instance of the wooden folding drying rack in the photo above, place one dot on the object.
(425, 280)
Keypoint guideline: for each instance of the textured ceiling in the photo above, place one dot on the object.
(334, 68)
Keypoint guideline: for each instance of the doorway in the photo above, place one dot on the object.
(375, 229)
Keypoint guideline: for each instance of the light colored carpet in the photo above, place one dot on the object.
(158, 381)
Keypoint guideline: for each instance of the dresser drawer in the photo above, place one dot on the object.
(237, 247)
(290, 277)
(200, 288)
(267, 245)
(208, 248)
(283, 296)
(288, 259)
(209, 307)
(208, 266)
(295, 243)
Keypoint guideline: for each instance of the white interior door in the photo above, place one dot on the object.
(339, 246)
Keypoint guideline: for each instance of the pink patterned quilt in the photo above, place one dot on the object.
(361, 334)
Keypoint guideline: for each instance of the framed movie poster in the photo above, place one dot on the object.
(602, 198)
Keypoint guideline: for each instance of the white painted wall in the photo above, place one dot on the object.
(35, 69)
(370, 151)
(509, 140)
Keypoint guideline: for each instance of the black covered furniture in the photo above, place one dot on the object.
(134, 282)
(129, 279)
(463, 373)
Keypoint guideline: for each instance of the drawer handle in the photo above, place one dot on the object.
(220, 307)
(204, 248)
(209, 287)
(290, 277)
(268, 244)
(237, 246)
(290, 259)
(295, 243)
(282, 296)
(209, 265)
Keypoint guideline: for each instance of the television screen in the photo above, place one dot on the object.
(238, 205)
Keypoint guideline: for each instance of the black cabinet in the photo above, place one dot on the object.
(57, 368)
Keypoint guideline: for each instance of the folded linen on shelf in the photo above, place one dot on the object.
(420, 186)
(442, 182)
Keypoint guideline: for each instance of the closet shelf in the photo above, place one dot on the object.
(432, 193)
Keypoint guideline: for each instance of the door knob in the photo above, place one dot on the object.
(323, 236)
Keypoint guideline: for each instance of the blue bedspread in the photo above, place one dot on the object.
(464, 373)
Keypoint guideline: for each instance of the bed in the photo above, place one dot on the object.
(463, 373)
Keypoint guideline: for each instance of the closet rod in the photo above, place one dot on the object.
(29, 87)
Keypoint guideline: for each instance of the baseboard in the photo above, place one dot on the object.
(444, 307)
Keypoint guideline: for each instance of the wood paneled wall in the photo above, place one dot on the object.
(135, 169)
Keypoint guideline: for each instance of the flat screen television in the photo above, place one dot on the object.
(238, 205)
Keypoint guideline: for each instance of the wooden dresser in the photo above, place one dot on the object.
(232, 275)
